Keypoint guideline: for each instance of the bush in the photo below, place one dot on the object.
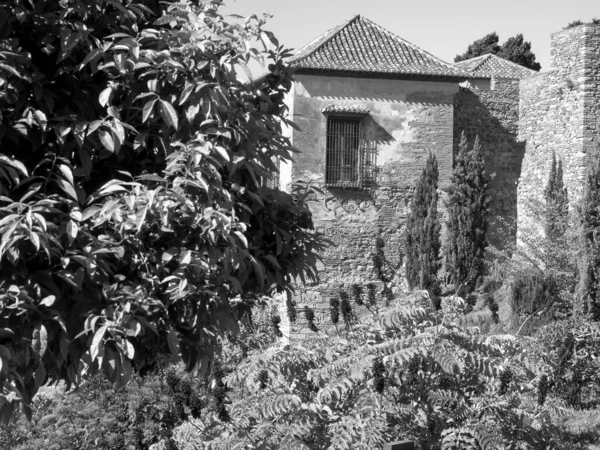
(533, 294)
(468, 217)
(423, 230)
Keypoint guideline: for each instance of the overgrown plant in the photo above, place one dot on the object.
(412, 372)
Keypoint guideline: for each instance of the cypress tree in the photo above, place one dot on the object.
(557, 202)
(423, 230)
(468, 207)
(591, 237)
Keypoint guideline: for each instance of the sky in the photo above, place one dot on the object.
(441, 27)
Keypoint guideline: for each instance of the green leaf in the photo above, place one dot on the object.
(107, 140)
(48, 301)
(72, 230)
(10, 69)
(39, 340)
(41, 119)
(67, 188)
(147, 109)
(35, 240)
(105, 96)
(91, 55)
(66, 172)
(222, 152)
(187, 90)
(97, 344)
(168, 114)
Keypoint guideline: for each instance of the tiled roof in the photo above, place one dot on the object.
(352, 109)
(361, 46)
(486, 66)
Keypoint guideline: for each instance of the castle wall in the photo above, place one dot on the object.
(492, 114)
(407, 120)
(559, 113)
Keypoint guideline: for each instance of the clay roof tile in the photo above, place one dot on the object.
(359, 45)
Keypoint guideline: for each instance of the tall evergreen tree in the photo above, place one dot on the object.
(423, 230)
(557, 202)
(468, 207)
(591, 236)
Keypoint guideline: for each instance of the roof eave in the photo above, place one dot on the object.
(381, 75)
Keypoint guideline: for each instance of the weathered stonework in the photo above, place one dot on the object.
(559, 113)
(520, 124)
(492, 114)
(407, 120)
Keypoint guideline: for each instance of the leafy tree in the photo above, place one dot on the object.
(423, 230)
(134, 199)
(515, 49)
(483, 46)
(591, 237)
(468, 206)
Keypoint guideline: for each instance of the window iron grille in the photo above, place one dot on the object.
(350, 158)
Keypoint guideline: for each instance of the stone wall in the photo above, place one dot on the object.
(492, 114)
(559, 113)
(407, 120)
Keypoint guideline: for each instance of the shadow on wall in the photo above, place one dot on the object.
(494, 119)
(374, 133)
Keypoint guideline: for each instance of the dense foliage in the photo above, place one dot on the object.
(468, 206)
(422, 246)
(136, 215)
(515, 49)
(408, 371)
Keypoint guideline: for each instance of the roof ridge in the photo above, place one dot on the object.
(410, 44)
(360, 45)
(322, 40)
(513, 63)
(484, 58)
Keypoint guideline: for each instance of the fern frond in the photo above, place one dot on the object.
(401, 357)
(444, 398)
(486, 438)
(332, 369)
(486, 366)
(448, 357)
(266, 407)
(459, 439)
(335, 390)
(403, 315)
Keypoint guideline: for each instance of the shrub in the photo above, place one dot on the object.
(398, 374)
(423, 230)
(467, 217)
